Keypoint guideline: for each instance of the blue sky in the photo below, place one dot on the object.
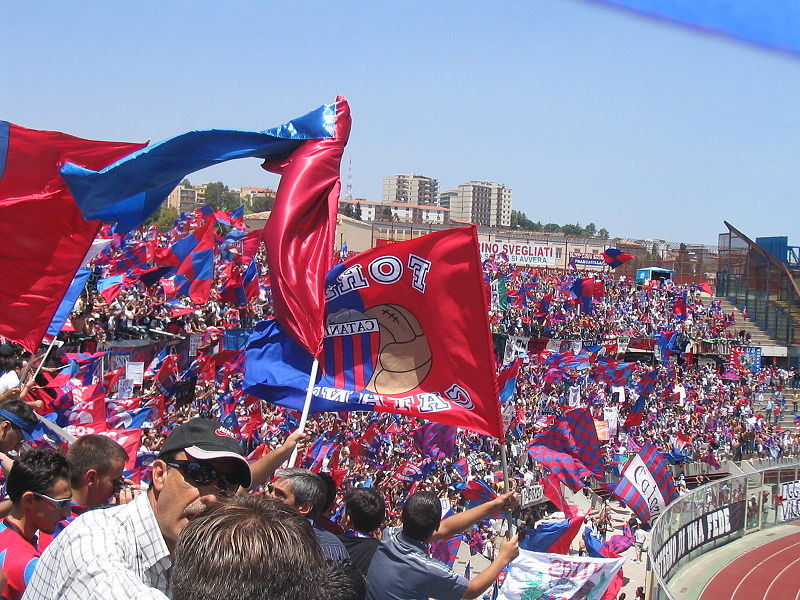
(589, 114)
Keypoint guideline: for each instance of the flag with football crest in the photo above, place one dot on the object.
(406, 332)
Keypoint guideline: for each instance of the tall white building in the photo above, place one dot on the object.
(481, 202)
(410, 189)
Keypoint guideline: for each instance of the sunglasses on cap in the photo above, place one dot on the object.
(201, 473)
(59, 503)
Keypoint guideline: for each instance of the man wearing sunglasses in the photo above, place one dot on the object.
(38, 486)
(124, 551)
(95, 476)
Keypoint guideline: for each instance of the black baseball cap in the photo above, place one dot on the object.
(205, 439)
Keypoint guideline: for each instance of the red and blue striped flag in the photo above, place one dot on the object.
(652, 488)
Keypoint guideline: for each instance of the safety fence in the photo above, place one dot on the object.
(718, 513)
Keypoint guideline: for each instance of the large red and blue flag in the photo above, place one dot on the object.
(398, 339)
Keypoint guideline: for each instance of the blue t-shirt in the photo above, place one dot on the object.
(402, 570)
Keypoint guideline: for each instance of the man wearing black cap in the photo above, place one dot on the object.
(124, 551)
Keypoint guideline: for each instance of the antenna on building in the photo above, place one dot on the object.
(349, 190)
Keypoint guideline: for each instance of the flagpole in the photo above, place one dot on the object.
(41, 363)
(304, 416)
(506, 486)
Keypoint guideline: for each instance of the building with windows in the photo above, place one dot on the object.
(481, 202)
(410, 189)
(183, 199)
(398, 212)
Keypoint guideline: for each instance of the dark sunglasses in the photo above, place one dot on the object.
(202, 473)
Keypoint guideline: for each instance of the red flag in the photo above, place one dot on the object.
(46, 237)
(301, 230)
(433, 357)
(130, 440)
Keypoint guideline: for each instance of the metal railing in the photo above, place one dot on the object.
(716, 514)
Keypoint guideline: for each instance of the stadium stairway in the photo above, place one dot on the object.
(759, 336)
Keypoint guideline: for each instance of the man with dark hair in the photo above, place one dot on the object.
(251, 547)
(17, 423)
(305, 491)
(38, 486)
(364, 513)
(124, 551)
(401, 568)
(323, 521)
(95, 474)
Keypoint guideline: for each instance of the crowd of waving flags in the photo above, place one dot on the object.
(422, 353)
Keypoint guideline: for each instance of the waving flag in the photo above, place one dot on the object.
(446, 551)
(553, 537)
(68, 303)
(408, 472)
(435, 440)
(647, 383)
(616, 258)
(569, 448)
(646, 485)
(46, 252)
(636, 416)
(130, 190)
(301, 229)
(619, 543)
(507, 381)
(772, 25)
(461, 466)
(398, 339)
(194, 256)
(479, 491)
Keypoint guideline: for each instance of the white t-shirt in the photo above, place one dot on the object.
(8, 380)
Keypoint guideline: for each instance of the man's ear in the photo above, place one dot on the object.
(91, 478)
(159, 474)
(304, 508)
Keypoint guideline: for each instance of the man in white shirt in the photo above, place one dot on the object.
(124, 552)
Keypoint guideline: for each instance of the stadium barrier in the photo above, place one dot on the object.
(718, 513)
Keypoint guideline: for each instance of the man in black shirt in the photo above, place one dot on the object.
(364, 513)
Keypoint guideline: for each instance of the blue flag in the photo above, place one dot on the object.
(131, 189)
(67, 304)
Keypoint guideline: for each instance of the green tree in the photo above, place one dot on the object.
(262, 203)
(591, 229)
(603, 233)
(220, 197)
(186, 183)
(358, 211)
(164, 217)
(552, 228)
(348, 210)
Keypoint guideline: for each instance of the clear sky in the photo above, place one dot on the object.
(588, 114)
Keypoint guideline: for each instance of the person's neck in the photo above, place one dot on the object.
(80, 496)
(18, 519)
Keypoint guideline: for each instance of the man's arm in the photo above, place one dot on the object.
(460, 522)
(487, 577)
(264, 468)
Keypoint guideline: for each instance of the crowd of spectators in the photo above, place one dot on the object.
(695, 410)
